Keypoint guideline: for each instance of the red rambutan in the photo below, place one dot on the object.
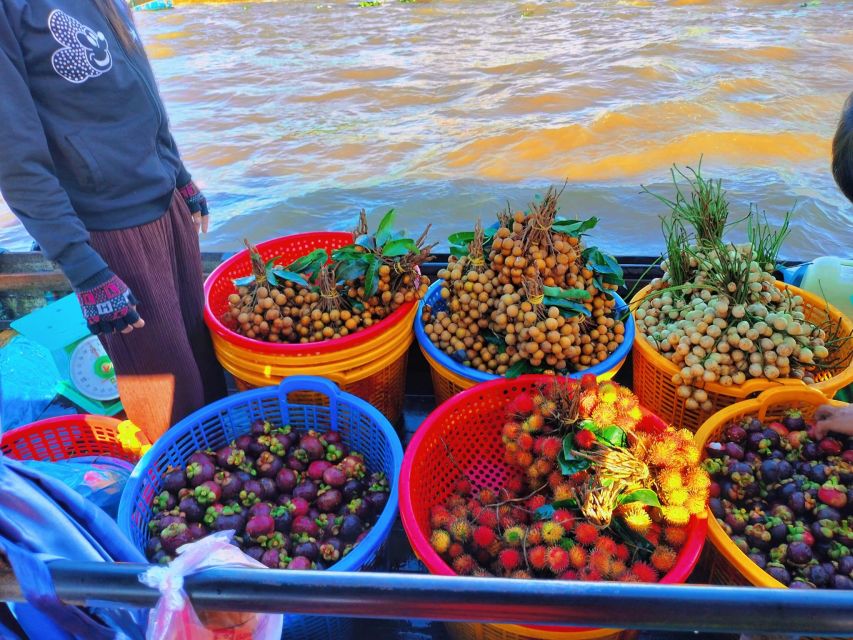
(617, 569)
(578, 557)
(463, 486)
(521, 574)
(644, 572)
(606, 544)
(663, 559)
(509, 559)
(600, 561)
(584, 438)
(564, 518)
(484, 536)
(586, 534)
(525, 442)
(536, 502)
(538, 557)
(588, 403)
(524, 458)
(464, 565)
(514, 485)
(458, 512)
(589, 381)
(439, 517)
(488, 518)
(522, 403)
(511, 457)
(558, 560)
(455, 550)
(550, 447)
(544, 467)
(653, 534)
(563, 491)
(578, 478)
(486, 496)
(676, 536)
(534, 534)
(555, 479)
(622, 552)
(511, 431)
(649, 424)
(521, 516)
(569, 575)
(591, 575)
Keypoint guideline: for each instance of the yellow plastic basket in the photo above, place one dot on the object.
(724, 562)
(653, 372)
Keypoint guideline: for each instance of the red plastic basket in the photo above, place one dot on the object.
(73, 436)
(469, 424)
(220, 284)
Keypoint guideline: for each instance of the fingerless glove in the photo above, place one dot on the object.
(107, 303)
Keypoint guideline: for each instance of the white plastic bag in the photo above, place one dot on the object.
(174, 618)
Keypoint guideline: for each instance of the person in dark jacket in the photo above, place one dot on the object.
(91, 169)
(842, 150)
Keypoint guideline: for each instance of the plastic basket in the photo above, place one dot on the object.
(220, 284)
(653, 372)
(449, 376)
(361, 427)
(75, 436)
(723, 561)
(470, 425)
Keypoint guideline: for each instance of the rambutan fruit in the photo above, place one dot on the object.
(484, 536)
(550, 447)
(622, 552)
(479, 572)
(569, 575)
(677, 498)
(534, 534)
(464, 565)
(533, 424)
(459, 512)
(525, 442)
(511, 431)
(514, 536)
(649, 424)
(486, 496)
(637, 519)
(511, 457)
(661, 452)
(545, 467)
(506, 522)
(488, 518)
(521, 574)
(564, 491)
(524, 459)
(653, 534)
(552, 532)
(463, 486)
(520, 515)
(644, 571)
(670, 480)
(584, 438)
(625, 399)
(607, 393)
(509, 559)
(455, 550)
(588, 404)
(439, 517)
(586, 534)
(696, 505)
(591, 575)
(555, 479)
(460, 530)
(522, 403)
(578, 557)
(558, 560)
(538, 557)
(604, 415)
(675, 515)
(536, 502)
(454, 500)
(629, 577)
(663, 559)
(676, 536)
(579, 478)
(440, 540)
(589, 381)
(606, 544)
(599, 561)
(514, 485)
(697, 481)
(617, 569)
(564, 518)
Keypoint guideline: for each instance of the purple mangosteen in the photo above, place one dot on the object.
(297, 460)
(307, 490)
(197, 530)
(175, 536)
(299, 507)
(260, 427)
(260, 525)
(799, 553)
(230, 457)
(251, 493)
(734, 451)
(328, 501)
(282, 518)
(735, 433)
(300, 563)
(202, 456)
(312, 446)
(153, 546)
(354, 488)
(243, 442)
(841, 582)
(254, 552)
(351, 527)
(268, 464)
(818, 576)
(269, 490)
(779, 572)
(271, 558)
(260, 509)
(208, 493)
(306, 525)
(174, 479)
(759, 558)
(165, 501)
(316, 469)
(229, 484)
(334, 477)
(200, 471)
(192, 509)
(259, 445)
(717, 507)
(845, 566)
(378, 500)
(286, 480)
(309, 550)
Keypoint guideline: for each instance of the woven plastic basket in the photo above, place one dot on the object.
(723, 561)
(470, 424)
(653, 372)
(449, 376)
(361, 427)
(370, 363)
(75, 436)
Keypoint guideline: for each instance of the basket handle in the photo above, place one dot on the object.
(782, 395)
(317, 384)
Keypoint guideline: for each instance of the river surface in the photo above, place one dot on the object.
(294, 115)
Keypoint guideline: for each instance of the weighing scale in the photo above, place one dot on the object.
(88, 379)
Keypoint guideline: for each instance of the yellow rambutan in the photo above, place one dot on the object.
(608, 393)
(661, 452)
(669, 480)
(588, 403)
(677, 497)
(440, 540)
(604, 415)
(552, 532)
(696, 505)
(637, 518)
(675, 515)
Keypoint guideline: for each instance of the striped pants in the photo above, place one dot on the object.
(167, 369)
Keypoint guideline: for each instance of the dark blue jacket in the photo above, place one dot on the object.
(84, 138)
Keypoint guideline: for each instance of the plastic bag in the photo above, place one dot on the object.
(28, 383)
(100, 479)
(174, 617)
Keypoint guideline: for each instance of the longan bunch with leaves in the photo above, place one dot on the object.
(321, 297)
(549, 296)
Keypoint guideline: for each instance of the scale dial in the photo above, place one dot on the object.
(92, 372)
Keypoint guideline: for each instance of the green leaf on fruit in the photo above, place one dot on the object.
(545, 512)
(520, 368)
(366, 241)
(310, 264)
(613, 436)
(459, 252)
(244, 282)
(566, 294)
(568, 444)
(600, 286)
(371, 281)
(645, 496)
(564, 504)
(571, 466)
(573, 308)
(383, 231)
(574, 227)
(400, 247)
(284, 274)
(461, 238)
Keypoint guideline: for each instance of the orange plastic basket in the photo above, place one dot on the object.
(370, 363)
(653, 372)
(724, 562)
(470, 424)
(75, 436)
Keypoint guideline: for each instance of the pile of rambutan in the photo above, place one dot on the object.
(597, 490)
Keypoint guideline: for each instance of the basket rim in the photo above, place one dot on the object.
(324, 347)
(359, 555)
(612, 361)
(755, 385)
(688, 555)
(8, 438)
(718, 538)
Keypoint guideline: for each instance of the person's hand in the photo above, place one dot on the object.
(197, 204)
(835, 419)
(108, 305)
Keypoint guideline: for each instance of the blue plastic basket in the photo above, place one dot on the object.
(362, 428)
(436, 302)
